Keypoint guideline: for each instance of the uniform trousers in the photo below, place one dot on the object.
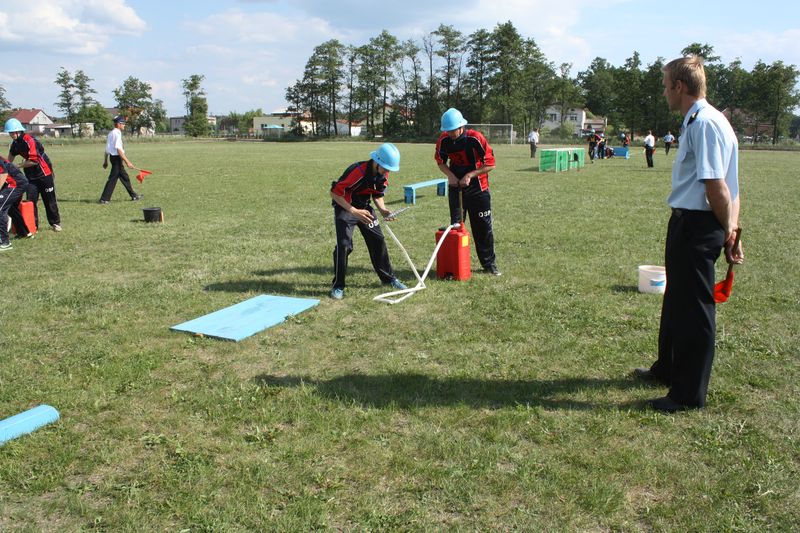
(478, 205)
(667, 146)
(45, 186)
(10, 198)
(688, 312)
(373, 237)
(118, 172)
(533, 149)
(648, 154)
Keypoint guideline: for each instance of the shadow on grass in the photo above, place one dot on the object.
(319, 277)
(618, 289)
(417, 390)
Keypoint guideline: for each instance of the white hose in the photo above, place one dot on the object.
(391, 297)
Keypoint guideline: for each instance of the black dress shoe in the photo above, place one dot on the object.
(645, 374)
(493, 270)
(668, 405)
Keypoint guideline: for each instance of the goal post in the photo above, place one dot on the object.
(496, 133)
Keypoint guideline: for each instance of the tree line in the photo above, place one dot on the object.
(400, 88)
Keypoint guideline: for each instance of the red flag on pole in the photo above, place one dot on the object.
(141, 175)
(722, 290)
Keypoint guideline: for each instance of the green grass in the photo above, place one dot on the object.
(493, 404)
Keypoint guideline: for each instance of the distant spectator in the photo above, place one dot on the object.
(649, 148)
(533, 140)
(668, 140)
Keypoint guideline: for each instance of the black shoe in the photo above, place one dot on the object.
(493, 270)
(137, 197)
(103, 202)
(668, 405)
(645, 374)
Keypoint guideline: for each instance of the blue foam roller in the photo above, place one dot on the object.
(26, 422)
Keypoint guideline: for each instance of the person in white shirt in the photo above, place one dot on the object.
(116, 151)
(533, 139)
(649, 148)
(669, 138)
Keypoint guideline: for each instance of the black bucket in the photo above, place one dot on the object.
(153, 214)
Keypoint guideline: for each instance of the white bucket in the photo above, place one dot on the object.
(652, 279)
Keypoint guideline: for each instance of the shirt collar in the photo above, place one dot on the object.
(696, 107)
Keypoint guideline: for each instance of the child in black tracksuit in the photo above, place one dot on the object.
(13, 187)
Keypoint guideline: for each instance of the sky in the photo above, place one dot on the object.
(250, 51)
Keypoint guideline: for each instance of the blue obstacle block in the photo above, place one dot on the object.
(26, 422)
(622, 151)
(247, 318)
(410, 191)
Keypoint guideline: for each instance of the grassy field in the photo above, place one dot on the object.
(493, 404)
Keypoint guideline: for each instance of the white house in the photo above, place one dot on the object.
(575, 118)
(34, 120)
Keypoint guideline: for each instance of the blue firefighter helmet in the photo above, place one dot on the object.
(388, 156)
(13, 125)
(452, 119)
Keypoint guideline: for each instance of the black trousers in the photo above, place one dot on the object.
(118, 172)
(533, 149)
(478, 205)
(667, 146)
(373, 237)
(47, 188)
(688, 312)
(10, 197)
(648, 154)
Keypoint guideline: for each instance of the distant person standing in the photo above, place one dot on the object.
(465, 158)
(533, 140)
(668, 140)
(38, 170)
(649, 148)
(593, 139)
(12, 186)
(116, 151)
(705, 206)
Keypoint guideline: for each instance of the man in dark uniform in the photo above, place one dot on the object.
(470, 160)
(38, 169)
(12, 185)
(351, 195)
(705, 206)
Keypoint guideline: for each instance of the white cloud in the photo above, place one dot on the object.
(81, 27)
(237, 26)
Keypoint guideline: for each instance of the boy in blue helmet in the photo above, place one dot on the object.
(465, 157)
(351, 195)
(38, 169)
(12, 185)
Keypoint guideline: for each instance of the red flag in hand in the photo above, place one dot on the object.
(722, 290)
(142, 173)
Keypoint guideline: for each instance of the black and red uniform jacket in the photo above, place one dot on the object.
(31, 149)
(470, 151)
(359, 183)
(15, 176)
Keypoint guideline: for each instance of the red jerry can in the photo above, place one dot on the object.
(452, 260)
(26, 208)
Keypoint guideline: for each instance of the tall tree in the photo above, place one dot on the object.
(628, 92)
(538, 80)
(451, 50)
(599, 88)
(386, 52)
(566, 93)
(773, 96)
(479, 70)
(134, 100)
(411, 83)
(505, 94)
(83, 95)
(4, 103)
(67, 103)
(192, 87)
(196, 124)
(731, 91)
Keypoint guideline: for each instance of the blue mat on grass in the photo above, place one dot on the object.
(247, 318)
